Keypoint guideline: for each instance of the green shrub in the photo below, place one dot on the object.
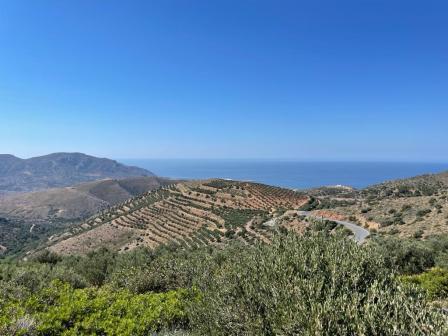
(387, 222)
(312, 204)
(322, 225)
(344, 231)
(404, 256)
(393, 231)
(319, 285)
(169, 271)
(47, 257)
(418, 234)
(60, 309)
(434, 282)
(406, 207)
(96, 266)
(422, 213)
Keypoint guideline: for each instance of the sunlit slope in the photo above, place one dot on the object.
(414, 207)
(189, 214)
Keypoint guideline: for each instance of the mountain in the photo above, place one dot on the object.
(59, 170)
(187, 214)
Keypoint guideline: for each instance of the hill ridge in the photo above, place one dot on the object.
(59, 170)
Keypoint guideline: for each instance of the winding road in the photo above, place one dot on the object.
(359, 233)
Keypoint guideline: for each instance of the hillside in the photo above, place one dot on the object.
(77, 201)
(59, 170)
(188, 214)
(415, 207)
(27, 216)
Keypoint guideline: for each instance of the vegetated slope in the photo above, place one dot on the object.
(59, 170)
(315, 284)
(188, 214)
(77, 201)
(29, 216)
(415, 207)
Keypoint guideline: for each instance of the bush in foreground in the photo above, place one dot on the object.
(320, 285)
(61, 310)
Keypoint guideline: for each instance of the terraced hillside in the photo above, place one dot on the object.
(189, 214)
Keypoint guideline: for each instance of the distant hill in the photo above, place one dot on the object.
(59, 170)
(413, 207)
(423, 185)
(27, 217)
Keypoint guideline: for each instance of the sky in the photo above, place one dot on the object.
(354, 80)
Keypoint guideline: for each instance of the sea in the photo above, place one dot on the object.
(288, 174)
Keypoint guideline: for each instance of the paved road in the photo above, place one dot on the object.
(359, 233)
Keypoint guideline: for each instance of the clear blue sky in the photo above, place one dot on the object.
(307, 80)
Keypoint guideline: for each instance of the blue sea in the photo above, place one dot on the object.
(289, 174)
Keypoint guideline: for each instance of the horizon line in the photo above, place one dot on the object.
(287, 160)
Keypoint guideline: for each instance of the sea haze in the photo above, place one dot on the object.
(290, 174)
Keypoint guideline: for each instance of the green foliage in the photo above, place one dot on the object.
(418, 234)
(323, 225)
(433, 281)
(24, 278)
(47, 257)
(220, 184)
(312, 204)
(422, 213)
(344, 231)
(439, 244)
(15, 234)
(61, 310)
(96, 266)
(237, 217)
(405, 256)
(411, 256)
(318, 285)
(170, 270)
